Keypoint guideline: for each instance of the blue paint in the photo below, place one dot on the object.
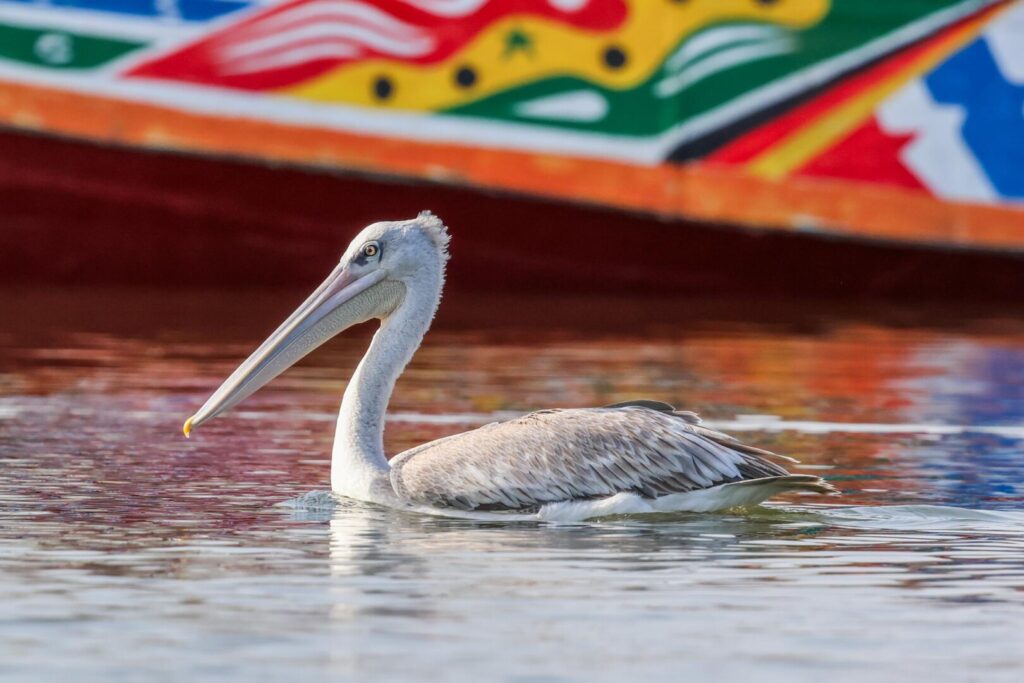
(994, 107)
(182, 10)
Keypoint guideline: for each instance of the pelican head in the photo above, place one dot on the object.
(382, 264)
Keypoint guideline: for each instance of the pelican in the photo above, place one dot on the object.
(637, 456)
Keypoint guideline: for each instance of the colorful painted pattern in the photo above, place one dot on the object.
(180, 10)
(87, 34)
(946, 116)
(59, 49)
(921, 96)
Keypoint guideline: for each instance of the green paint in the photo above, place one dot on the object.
(517, 40)
(640, 112)
(59, 49)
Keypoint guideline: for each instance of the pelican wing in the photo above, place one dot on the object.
(549, 456)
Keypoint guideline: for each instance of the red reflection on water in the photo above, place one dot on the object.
(94, 387)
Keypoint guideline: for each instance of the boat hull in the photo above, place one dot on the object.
(77, 212)
(822, 117)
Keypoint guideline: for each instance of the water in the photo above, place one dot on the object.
(128, 553)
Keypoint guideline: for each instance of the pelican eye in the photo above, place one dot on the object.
(371, 250)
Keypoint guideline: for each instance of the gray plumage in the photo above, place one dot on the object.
(644, 447)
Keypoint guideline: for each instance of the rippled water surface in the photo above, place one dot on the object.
(128, 553)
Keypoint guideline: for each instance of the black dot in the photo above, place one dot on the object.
(766, 2)
(465, 77)
(614, 58)
(383, 88)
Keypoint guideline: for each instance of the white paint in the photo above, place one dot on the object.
(584, 106)
(333, 32)
(721, 61)
(1005, 38)
(332, 11)
(168, 9)
(568, 5)
(937, 154)
(99, 24)
(458, 8)
(461, 8)
(712, 39)
(54, 48)
(291, 57)
(447, 8)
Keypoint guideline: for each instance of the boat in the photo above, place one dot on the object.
(834, 144)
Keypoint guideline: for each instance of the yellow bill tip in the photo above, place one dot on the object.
(187, 429)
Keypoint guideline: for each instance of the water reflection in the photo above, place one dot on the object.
(125, 548)
(847, 587)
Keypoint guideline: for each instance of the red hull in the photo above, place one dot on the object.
(76, 213)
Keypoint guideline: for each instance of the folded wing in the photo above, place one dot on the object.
(645, 447)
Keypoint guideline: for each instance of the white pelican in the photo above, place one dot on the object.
(639, 456)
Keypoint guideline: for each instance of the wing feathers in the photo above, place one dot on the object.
(644, 447)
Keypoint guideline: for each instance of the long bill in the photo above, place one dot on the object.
(334, 306)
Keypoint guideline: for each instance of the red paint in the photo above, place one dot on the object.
(870, 155)
(203, 60)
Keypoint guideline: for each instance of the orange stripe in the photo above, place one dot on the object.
(724, 194)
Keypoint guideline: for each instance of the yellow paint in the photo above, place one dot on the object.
(187, 429)
(809, 141)
(651, 29)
